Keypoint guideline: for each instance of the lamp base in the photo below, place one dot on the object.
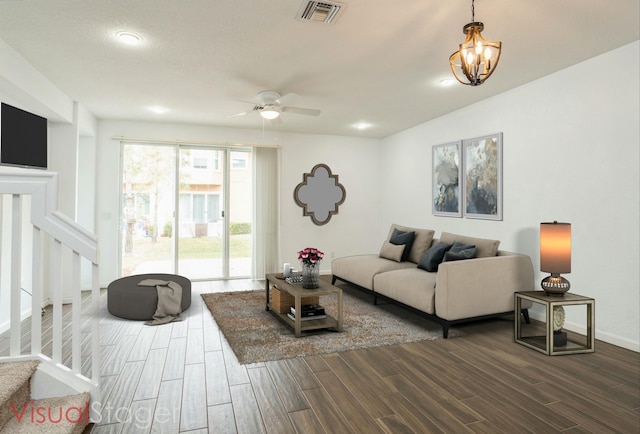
(555, 285)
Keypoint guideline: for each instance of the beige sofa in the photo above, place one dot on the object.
(459, 291)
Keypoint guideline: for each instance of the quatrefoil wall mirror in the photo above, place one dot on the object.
(319, 194)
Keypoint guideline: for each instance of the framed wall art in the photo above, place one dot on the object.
(482, 183)
(447, 172)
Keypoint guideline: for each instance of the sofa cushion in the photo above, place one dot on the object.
(403, 238)
(392, 251)
(460, 251)
(360, 269)
(411, 286)
(421, 241)
(485, 247)
(433, 257)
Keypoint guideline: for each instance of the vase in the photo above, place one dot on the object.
(310, 275)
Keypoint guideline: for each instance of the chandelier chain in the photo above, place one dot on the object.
(473, 11)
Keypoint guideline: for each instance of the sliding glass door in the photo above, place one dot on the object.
(187, 210)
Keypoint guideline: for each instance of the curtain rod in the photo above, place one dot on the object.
(191, 142)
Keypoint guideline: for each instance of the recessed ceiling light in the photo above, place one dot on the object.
(362, 125)
(159, 109)
(129, 38)
(447, 81)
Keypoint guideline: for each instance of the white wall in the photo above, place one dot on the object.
(571, 153)
(21, 85)
(355, 160)
(356, 227)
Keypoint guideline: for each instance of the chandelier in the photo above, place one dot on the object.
(477, 58)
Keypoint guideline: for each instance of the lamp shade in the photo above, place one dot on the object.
(555, 247)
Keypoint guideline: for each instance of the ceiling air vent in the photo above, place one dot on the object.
(324, 12)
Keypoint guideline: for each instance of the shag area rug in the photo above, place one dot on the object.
(256, 335)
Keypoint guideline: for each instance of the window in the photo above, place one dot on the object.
(186, 211)
(199, 163)
(213, 207)
(238, 160)
(199, 208)
(216, 160)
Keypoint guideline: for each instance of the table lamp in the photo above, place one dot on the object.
(555, 256)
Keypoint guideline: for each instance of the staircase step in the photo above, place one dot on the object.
(15, 386)
(63, 415)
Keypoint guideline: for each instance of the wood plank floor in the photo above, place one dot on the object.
(184, 378)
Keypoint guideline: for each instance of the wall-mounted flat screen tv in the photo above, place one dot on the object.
(23, 138)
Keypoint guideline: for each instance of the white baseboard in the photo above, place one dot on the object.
(26, 313)
(600, 335)
(6, 325)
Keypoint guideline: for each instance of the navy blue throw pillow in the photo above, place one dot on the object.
(460, 251)
(401, 237)
(433, 256)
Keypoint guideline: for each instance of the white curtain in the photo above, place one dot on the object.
(266, 245)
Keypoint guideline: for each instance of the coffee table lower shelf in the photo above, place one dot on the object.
(312, 324)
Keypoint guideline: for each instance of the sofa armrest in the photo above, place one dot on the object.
(481, 286)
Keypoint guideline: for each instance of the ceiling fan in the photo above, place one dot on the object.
(271, 105)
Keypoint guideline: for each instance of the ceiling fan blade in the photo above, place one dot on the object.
(287, 98)
(248, 102)
(238, 114)
(301, 111)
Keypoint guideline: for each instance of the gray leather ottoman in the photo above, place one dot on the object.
(126, 299)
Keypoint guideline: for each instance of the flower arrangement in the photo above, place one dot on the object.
(310, 255)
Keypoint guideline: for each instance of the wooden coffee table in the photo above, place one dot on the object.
(298, 292)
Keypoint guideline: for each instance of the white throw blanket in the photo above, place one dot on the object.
(169, 301)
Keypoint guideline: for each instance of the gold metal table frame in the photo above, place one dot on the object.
(545, 343)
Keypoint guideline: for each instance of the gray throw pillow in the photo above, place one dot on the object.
(433, 257)
(460, 251)
(403, 238)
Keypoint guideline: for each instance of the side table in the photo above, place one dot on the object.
(542, 338)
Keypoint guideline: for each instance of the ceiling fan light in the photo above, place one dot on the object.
(269, 113)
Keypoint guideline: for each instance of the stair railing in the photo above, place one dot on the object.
(54, 250)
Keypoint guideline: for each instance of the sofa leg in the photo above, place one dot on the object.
(445, 331)
(525, 314)
(333, 280)
(375, 299)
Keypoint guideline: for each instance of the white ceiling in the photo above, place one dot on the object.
(381, 62)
